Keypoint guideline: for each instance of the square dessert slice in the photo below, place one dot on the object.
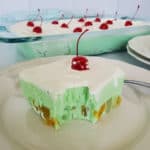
(59, 93)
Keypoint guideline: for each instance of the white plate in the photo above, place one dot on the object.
(126, 127)
(141, 45)
(137, 56)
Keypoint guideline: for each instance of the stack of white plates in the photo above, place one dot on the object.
(139, 48)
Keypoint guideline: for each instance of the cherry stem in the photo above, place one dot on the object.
(77, 46)
(137, 9)
(117, 10)
(116, 15)
(41, 20)
(61, 17)
(86, 12)
(39, 16)
(97, 15)
(70, 20)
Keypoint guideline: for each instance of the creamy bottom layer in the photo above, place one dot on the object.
(73, 103)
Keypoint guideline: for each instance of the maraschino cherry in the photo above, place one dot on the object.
(104, 26)
(66, 25)
(30, 24)
(110, 22)
(56, 22)
(38, 29)
(97, 19)
(82, 19)
(88, 23)
(79, 63)
(129, 22)
(77, 29)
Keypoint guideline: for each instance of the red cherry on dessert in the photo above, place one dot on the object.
(64, 25)
(81, 20)
(128, 23)
(79, 63)
(109, 22)
(103, 26)
(55, 22)
(37, 29)
(77, 29)
(97, 19)
(30, 24)
(88, 23)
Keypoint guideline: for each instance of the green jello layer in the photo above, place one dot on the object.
(73, 103)
(93, 43)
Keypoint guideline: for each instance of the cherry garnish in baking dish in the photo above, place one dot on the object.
(38, 29)
(56, 22)
(82, 19)
(88, 23)
(104, 26)
(109, 22)
(97, 19)
(129, 22)
(66, 25)
(30, 24)
(77, 29)
(79, 63)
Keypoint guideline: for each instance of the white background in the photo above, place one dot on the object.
(126, 7)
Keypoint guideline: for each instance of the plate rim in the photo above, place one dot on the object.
(8, 70)
(136, 50)
(137, 56)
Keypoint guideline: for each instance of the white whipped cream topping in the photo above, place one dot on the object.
(58, 76)
(21, 29)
